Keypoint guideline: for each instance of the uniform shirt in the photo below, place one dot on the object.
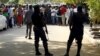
(38, 20)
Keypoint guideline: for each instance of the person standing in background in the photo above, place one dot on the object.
(53, 15)
(63, 11)
(11, 14)
(15, 15)
(28, 21)
(20, 16)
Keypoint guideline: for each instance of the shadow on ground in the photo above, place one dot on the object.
(57, 48)
(14, 44)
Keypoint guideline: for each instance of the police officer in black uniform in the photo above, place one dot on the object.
(76, 30)
(39, 23)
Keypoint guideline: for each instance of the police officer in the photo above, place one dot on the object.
(39, 22)
(76, 28)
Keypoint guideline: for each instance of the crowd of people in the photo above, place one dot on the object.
(40, 15)
(55, 15)
(13, 14)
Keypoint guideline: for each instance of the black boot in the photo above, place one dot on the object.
(79, 48)
(37, 49)
(78, 55)
(47, 53)
(38, 53)
(66, 55)
(30, 38)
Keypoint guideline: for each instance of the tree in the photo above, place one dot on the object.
(14, 1)
(21, 2)
(29, 1)
(74, 1)
(94, 6)
(4, 1)
(94, 12)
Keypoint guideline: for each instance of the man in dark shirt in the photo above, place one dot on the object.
(28, 22)
(76, 30)
(39, 22)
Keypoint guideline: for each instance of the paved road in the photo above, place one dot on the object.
(13, 42)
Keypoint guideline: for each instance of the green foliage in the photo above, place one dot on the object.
(27, 1)
(21, 2)
(30, 1)
(73, 1)
(94, 6)
(56, 0)
(14, 1)
(4, 1)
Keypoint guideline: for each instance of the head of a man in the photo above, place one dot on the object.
(79, 9)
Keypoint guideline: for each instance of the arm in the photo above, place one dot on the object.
(25, 18)
(70, 26)
(70, 22)
(46, 30)
(44, 22)
(32, 18)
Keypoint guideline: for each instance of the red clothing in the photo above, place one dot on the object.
(62, 10)
(19, 19)
(5, 10)
(20, 16)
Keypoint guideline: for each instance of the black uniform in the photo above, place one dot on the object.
(76, 30)
(39, 22)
